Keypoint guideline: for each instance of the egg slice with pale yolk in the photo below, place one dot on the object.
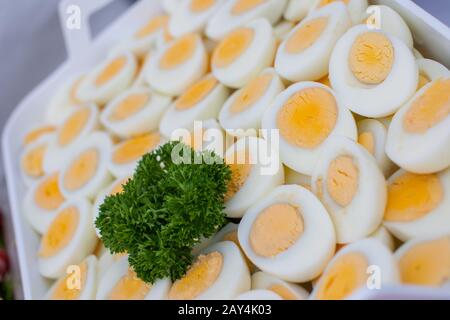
(356, 8)
(306, 115)
(244, 53)
(419, 135)
(80, 283)
(178, 65)
(288, 234)
(305, 53)
(69, 238)
(32, 159)
(134, 112)
(286, 290)
(245, 107)
(417, 204)
(37, 133)
(352, 187)
(351, 267)
(218, 273)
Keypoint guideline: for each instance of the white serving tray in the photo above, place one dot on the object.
(431, 37)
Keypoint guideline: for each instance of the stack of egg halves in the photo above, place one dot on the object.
(351, 190)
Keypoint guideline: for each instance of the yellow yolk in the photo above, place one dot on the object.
(129, 106)
(283, 292)
(371, 58)
(326, 81)
(423, 80)
(35, 134)
(412, 196)
(200, 276)
(326, 2)
(196, 93)
(243, 6)
(347, 274)
(179, 52)
(427, 263)
(306, 35)
(240, 166)
(63, 291)
(367, 140)
(73, 126)
(48, 195)
(276, 229)
(251, 93)
(60, 232)
(32, 161)
(118, 188)
(110, 71)
(129, 287)
(135, 148)
(428, 110)
(342, 180)
(81, 170)
(232, 47)
(308, 117)
(154, 24)
(201, 5)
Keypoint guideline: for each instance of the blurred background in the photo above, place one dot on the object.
(32, 46)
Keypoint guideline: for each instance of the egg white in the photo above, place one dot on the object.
(258, 294)
(262, 280)
(297, 10)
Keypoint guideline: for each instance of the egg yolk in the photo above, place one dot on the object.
(196, 93)
(118, 187)
(48, 195)
(200, 276)
(240, 166)
(111, 70)
(423, 80)
(306, 35)
(308, 117)
(153, 25)
(129, 287)
(35, 134)
(251, 93)
(243, 6)
(427, 263)
(201, 5)
(413, 196)
(283, 292)
(73, 126)
(428, 110)
(232, 47)
(73, 91)
(326, 2)
(179, 52)
(326, 81)
(371, 58)
(133, 149)
(342, 180)
(276, 229)
(32, 161)
(129, 106)
(347, 274)
(60, 232)
(367, 140)
(81, 170)
(64, 292)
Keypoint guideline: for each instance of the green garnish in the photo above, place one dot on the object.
(165, 210)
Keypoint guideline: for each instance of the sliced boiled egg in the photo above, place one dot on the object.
(236, 13)
(419, 135)
(134, 112)
(120, 282)
(418, 204)
(86, 172)
(286, 290)
(178, 65)
(42, 201)
(219, 272)
(351, 267)
(252, 175)
(259, 294)
(430, 70)
(306, 115)
(425, 261)
(108, 79)
(201, 101)
(305, 53)
(69, 238)
(297, 10)
(351, 186)
(32, 159)
(192, 16)
(356, 8)
(288, 234)
(294, 177)
(79, 283)
(125, 155)
(244, 53)
(384, 236)
(373, 72)
(38, 132)
(245, 107)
